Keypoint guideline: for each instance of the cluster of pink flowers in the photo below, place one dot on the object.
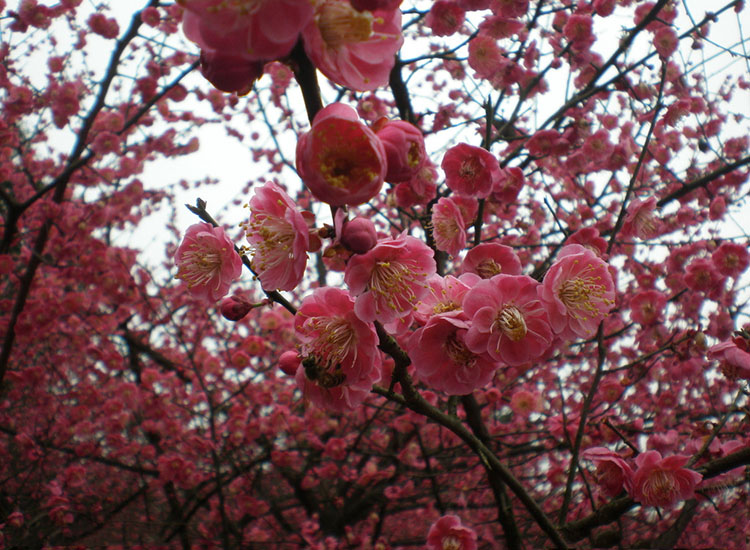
(656, 481)
(352, 43)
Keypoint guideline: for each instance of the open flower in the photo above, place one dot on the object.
(340, 359)
(442, 360)
(448, 533)
(353, 48)
(340, 159)
(508, 321)
(578, 292)
(448, 226)
(663, 481)
(446, 295)
(470, 171)
(612, 474)
(490, 259)
(734, 361)
(207, 261)
(255, 30)
(390, 279)
(279, 238)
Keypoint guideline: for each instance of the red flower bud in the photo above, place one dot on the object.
(234, 308)
(358, 235)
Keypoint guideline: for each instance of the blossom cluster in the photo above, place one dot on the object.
(656, 481)
(457, 331)
(352, 43)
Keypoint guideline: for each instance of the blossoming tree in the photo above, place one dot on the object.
(488, 288)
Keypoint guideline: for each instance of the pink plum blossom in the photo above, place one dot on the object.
(446, 295)
(340, 159)
(470, 171)
(734, 360)
(640, 220)
(662, 481)
(372, 5)
(578, 292)
(485, 56)
(506, 188)
(340, 360)
(589, 237)
(445, 17)
(390, 279)
(448, 533)
(612, 474)
(234, 308)
(647, 307)
(508, 321)
(731, 259)
(358, 235)
(229, 72)
(524, 402)
(490, 259)
(702, 275)
(448, 226)
(442, 360)
(355, 49)
(404, 148)
(420, 189)
(279, 238)
(207, 261)
(261, 30)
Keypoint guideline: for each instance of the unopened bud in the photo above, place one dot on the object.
(358, 235)
(289, 362)
(234, 308)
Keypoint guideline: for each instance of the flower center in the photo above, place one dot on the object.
(393, 281)
(451, 543)
(457, 351)
(272, 239)
(660, 486)
(444, 307)
(510, 320)
(341, 24)
(645, 224)
(199, 265)
(488, 268)
(469, 168)
(334, 340)
(583, 293)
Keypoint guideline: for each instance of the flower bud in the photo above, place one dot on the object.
(289, 362)
(234, 308)
(358, 235)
